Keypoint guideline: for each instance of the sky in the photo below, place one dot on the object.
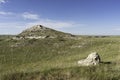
(83, 17)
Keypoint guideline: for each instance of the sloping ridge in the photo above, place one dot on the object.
(43, 32)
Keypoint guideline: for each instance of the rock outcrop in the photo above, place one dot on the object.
(92, 59)
(41, 32)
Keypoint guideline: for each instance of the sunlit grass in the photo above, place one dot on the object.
(58, 57)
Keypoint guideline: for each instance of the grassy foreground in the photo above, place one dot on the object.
(56, 59)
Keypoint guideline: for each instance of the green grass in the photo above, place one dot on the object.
(56, 59)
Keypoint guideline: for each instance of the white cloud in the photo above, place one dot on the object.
(5, 13)
(27, 15)
(2, 1)
(18, 26)
(36, 20)
(47, 22)
(11, 27)
(54, 23)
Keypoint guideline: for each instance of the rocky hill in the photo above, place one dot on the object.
(40, 31)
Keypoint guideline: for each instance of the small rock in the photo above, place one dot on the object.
(92, 59)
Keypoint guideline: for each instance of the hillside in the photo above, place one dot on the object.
(56, 58)
(40, 31)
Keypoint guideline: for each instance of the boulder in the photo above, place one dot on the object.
(92, 59)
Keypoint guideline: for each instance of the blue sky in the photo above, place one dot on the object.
(86, 17)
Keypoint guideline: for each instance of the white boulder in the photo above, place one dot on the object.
(92, 59)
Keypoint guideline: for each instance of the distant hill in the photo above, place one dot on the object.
(40, 31)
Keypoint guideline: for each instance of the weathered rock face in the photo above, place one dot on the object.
(92, 59)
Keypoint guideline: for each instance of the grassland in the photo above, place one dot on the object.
(56, 59)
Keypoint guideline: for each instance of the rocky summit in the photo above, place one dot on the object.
(36, 28)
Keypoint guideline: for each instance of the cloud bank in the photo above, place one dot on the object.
(27, 15)
(5, 13)
(47, 22)
(53, 23)
(2, 1)
(27, 19)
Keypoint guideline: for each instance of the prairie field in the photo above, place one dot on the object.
(56, 58)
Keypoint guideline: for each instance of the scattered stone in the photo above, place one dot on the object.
(35, 37)
(92, 59)
(79, 46)
(17, 38)
(16, 45)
